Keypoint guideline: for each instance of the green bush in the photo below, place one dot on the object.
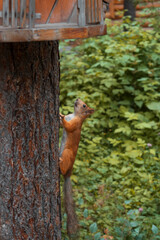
(118, 163)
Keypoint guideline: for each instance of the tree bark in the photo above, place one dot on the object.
(29, 126)
(129, 9)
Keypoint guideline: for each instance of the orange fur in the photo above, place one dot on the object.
(72, 125)
(73, 129)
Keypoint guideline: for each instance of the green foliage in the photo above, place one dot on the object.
(118, 163)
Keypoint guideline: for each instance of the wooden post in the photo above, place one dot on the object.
(82, 17)
(29, 126)
(31, 13)
(5, 13)
(23, 13)
(14, 13)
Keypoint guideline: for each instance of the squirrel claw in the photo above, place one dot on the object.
(61, 116)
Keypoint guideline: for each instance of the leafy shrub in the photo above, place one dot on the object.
(119, 154)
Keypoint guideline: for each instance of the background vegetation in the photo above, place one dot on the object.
(116, 174)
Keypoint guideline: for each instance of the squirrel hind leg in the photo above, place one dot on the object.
(62, 166)
(65, 162)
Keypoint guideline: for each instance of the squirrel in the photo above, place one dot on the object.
(72, 125)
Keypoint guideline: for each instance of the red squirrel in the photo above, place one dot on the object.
(72, 125)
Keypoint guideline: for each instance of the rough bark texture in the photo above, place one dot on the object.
(130, 9)
(29, 125)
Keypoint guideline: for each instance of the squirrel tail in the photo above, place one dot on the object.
(72, 222)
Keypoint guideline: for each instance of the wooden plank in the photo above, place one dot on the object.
(89, 11)
(100, 29)
(14, 13)
(108, 15)
(97, 19)
(93, 12)
(118, 1)
(100, 9)
(82, 13)
(73, 16)
(96, 11)
(138, 7)
(23, 12)
(111, 8)
(118, 7)
(50, 14)
(6, 13)
(86, 11)
(61, 12)
(143, 2)
(148, 5)
(24, 35)
(138, 15)
(32, 14)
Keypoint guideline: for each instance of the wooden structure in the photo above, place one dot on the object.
(38, 20)
(116, 9)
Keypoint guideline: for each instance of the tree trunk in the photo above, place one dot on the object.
(129, 9)
(29, 126)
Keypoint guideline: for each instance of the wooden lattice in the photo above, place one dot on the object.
(34, 20)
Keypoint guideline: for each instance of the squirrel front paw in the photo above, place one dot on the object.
(61, 117)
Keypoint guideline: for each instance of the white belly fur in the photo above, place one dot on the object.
(64, 136)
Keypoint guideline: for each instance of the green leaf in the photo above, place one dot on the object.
(154, 106)
(134, 153)
(93, 228)
(143, 175)
(125, 129)
(155, 229)
(113, 161)
(97, 236)
(85, 213)
(124, 170)
(134, 224)
(80, 201)
(128, 201)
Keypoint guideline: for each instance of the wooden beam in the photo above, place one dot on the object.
(27, 35)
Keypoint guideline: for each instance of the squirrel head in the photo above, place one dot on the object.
(81, 109)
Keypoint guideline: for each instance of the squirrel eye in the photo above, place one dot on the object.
(84, 105)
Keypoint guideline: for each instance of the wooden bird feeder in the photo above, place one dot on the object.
(38, 20)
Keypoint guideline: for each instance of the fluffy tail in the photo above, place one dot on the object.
(72, 222)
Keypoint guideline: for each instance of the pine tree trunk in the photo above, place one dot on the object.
(129, 9)
(29, 125)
